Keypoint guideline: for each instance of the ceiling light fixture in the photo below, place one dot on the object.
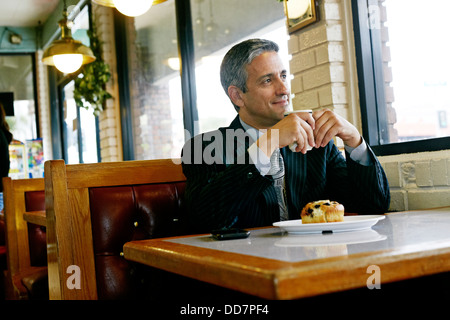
(105, 3)
(131, 8)
(67, 54)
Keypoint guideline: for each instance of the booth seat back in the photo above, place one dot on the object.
(26, 242)
(93, 210)
(125, 213)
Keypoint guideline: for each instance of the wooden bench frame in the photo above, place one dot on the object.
(18, 250)
(69, 230)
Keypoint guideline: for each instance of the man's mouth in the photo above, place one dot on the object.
(282, 102)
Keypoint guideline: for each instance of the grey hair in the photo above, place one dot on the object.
(233, 70)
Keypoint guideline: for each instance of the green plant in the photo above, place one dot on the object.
(89, 91)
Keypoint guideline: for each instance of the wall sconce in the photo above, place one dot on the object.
(15, 38)
(131, 8)
(300, 13)
(67, 54)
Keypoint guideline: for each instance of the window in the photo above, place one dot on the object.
(404, 74)
(78, 133)
(17, 85)
(167, 104)
(79, 128)
(217, 26)
(154, 83)
(16, 76)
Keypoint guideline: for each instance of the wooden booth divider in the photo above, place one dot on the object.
(25, 243)
(87, 204)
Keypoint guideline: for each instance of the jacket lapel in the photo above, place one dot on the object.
(295, 176)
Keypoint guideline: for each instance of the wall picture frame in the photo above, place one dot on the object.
(300, 13)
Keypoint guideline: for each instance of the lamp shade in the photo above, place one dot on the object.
(133, 8)
(67, 54)
(105, 3)
(127, 5)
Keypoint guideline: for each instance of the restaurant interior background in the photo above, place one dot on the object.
(385, 71)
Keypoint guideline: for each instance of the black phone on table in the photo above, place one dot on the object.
(227, 234)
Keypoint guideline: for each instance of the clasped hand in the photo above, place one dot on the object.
(304, 129)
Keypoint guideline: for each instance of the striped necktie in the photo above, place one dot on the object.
(277, 173)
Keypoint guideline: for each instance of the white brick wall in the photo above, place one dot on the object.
(324, 75)
(44, 106)
(418, 181)
(109, 119)
(318, 63)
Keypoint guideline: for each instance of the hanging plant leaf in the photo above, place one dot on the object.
(89, 91)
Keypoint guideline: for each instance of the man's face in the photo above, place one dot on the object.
(267, 96)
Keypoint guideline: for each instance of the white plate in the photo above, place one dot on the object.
(350, 223)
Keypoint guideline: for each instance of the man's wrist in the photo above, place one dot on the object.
(354, 142)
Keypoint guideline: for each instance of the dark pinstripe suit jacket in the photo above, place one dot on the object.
(225, 192)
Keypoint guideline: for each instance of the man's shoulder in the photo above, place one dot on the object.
(224, 145)
(224, 133)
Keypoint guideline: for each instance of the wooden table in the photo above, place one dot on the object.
(36, 217)
(273, 264)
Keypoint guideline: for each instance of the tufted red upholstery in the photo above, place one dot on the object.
(121, 214)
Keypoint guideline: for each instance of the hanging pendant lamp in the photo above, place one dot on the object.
(131, 8)
(105, 3)
(67, 54)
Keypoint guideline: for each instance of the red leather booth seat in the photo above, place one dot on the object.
(122, 214)
(2, 246)
(2, 258)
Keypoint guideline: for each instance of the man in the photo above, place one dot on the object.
(246, 175)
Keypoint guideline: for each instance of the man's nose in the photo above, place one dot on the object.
(282, 87)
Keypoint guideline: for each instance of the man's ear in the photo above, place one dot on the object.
(235, 95)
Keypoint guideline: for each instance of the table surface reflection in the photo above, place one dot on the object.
(274, 264)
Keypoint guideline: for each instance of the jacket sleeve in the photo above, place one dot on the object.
(363, 189)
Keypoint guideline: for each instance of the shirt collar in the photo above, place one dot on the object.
(252, 132)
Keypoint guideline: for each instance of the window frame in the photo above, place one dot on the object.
(371, 89)
(57, 82)
(32, 56)
(187, 74)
